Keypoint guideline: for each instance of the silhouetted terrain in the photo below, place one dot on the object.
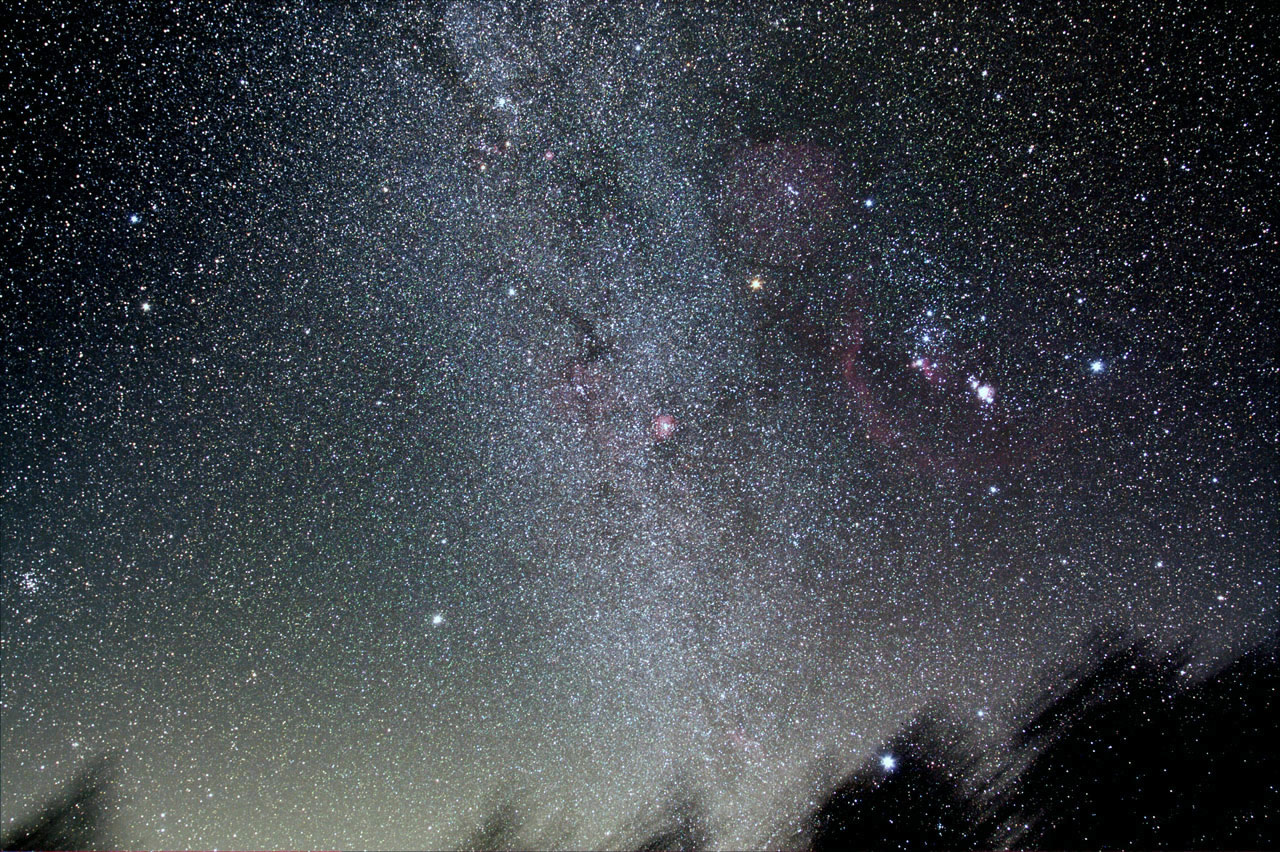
(681, 825)
(1130, 750)
(1136, 753)
(910, 795)
(79, 819)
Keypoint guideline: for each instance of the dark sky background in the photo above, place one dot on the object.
(412, 405)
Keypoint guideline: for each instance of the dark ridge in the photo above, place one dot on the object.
(78, 819)
(1131, 751)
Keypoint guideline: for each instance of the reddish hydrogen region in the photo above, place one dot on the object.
(664, 426)
(934, 411)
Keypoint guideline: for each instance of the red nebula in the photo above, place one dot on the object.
(918, 407)
(664, 426)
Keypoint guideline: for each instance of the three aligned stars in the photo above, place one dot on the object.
(984, 392)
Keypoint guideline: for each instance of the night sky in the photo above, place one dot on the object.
(412, 407)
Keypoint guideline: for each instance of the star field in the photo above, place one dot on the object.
(415, 407)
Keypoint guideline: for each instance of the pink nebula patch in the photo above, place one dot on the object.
(664, 426)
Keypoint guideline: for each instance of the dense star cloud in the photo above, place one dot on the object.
(568, 423)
